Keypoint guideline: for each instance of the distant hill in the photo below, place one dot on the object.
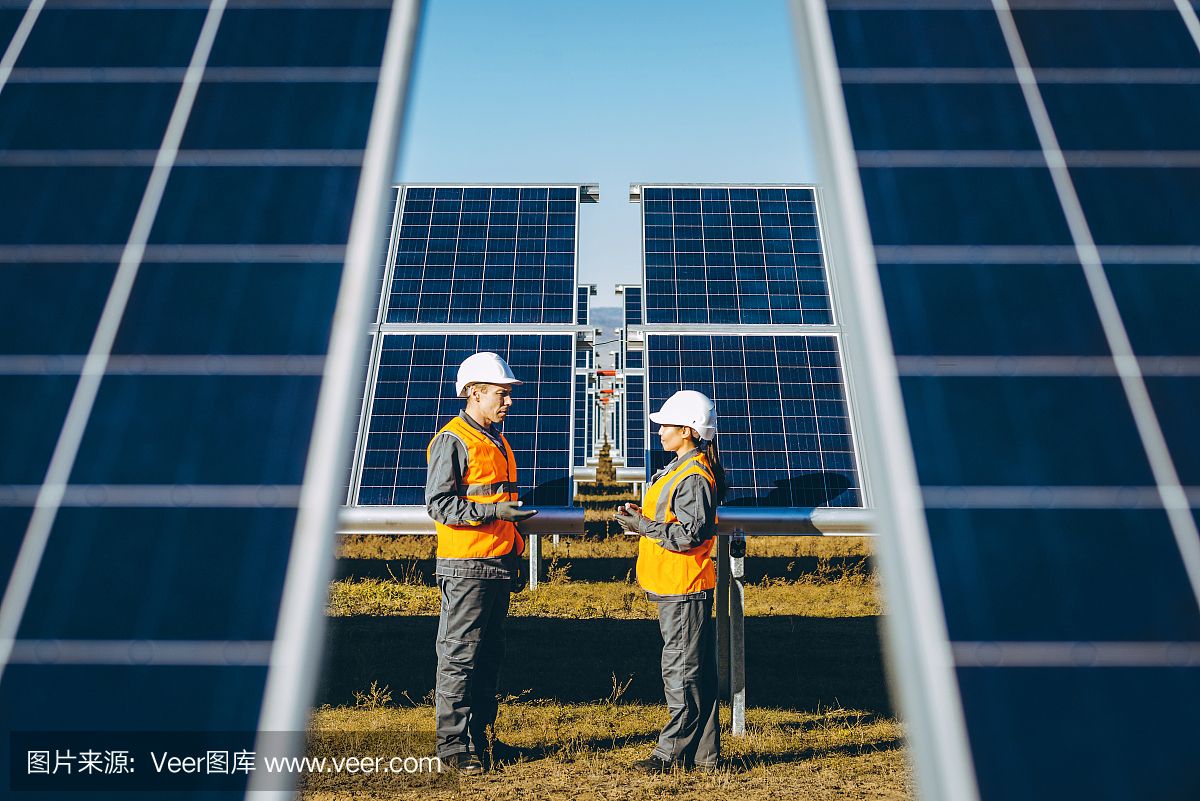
(607, 318)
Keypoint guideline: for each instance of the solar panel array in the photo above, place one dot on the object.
(485, 255)
(785, 434)
(465, 256)
(171, 248)
(738, 307)
(1030, 178)
(741, 255)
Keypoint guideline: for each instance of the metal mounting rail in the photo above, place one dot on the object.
(568, 521)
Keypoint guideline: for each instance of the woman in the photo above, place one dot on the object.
(675, 569)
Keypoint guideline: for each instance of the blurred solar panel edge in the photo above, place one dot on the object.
(186, 244)
(1016, 185)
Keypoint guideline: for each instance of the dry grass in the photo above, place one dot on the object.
(830, 591)
(584, 751)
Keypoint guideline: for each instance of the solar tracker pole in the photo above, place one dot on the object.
(737, 637)
(722, 604)
(535, 560)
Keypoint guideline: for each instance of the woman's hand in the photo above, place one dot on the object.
(629, 517)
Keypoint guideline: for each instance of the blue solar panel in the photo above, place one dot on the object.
(724, 255)
(485, 255)
(1033, 445)
(634, 408)
(579, 446)
(784, 425)
(582, 304)
(183, 483)
(414, 397)
(633, 306)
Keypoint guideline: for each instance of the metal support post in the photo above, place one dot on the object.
(737, 633)
(535, 560)
(722, 606)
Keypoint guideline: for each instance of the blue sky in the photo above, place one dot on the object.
(616, 92)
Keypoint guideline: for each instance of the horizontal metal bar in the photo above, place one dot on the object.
(564, 520)
(1004, 159)
(407, 520)
(1076, 654)
(625, 475)
(175, 254)
(141, 652)
(1037, 366)
(821, 521)
(186, 158)
(205, 365)
(1031, 254)
(991, 75)
(164, 496)
(85, 75)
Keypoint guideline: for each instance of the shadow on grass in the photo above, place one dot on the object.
(805, 754)
(792, 662)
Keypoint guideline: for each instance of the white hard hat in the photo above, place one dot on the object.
(484, 367)
(690, 408)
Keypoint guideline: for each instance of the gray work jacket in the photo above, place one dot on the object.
(447, 465)
(695, 507)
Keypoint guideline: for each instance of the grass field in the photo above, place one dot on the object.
(582, 682)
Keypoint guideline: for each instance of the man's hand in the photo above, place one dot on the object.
(629, 517)
(512, 512)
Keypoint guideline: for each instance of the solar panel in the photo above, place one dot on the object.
(633, 305)
(582, 418)
(1029, 178)
(583, 303)
(634, 412)
(179, 190)
(414, 397)
(733, 255)
(785, 432)
(469, 255)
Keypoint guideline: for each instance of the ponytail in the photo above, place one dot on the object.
(713, 454)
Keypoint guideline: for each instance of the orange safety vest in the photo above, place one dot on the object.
(664, 572)
(491, 477)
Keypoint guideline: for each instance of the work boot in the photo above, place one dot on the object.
(466, 764)
(655, 765)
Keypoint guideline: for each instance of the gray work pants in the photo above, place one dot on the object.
(470, 648)
(689, 671)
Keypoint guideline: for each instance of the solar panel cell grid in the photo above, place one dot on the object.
(635, 416)
(738, 256)
(1035, 474)
(110, 37)
(178, 516)
(579, 448)
(414, 397)
(581, 308)
(784, 426)
(485, 255)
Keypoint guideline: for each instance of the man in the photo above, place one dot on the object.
(471, 494)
